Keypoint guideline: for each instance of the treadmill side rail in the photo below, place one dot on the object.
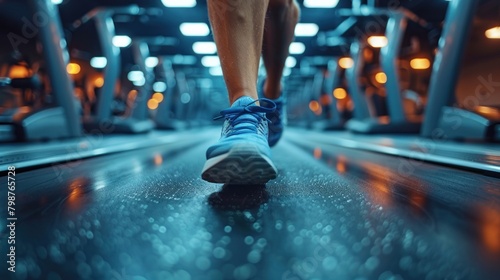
(460, 124)
(46, 124)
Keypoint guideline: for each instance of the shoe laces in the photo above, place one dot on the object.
(275, 118)
(233, 114)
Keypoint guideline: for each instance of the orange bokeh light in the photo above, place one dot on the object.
(99, 82)
(158, 97)
(73, 68)
(317, 153)
(152, 104)
(340, 93)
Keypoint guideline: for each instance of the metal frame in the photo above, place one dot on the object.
(55, 51)
(106, 31)
(446, 67)
(332, 83)
(164, 114)
(141, 52)
(334, 122)
(364, 120)
(396, 27)
(362, 110)
(138, 121)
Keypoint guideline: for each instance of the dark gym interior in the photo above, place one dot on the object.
(389, 165)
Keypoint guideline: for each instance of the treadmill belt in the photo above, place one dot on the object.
(332, 213)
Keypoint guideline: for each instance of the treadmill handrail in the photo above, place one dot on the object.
(129, 10)
(366, 11)
(369, 11)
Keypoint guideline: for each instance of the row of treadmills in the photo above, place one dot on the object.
(389, 167)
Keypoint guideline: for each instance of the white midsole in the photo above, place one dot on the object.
(213, 161)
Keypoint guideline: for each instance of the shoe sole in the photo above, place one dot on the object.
(242, 165)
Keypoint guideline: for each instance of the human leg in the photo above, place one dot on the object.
(242, 154)
(238, 27)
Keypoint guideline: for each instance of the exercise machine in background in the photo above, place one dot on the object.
(103, 120)
(165, 118)
(62, 119)
(365, 118)
(333, 97)
(442, 119)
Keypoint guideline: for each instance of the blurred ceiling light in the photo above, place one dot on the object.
(122, 41)
(160, 86)
(158, 96)
(489, 112)
(346, 62)
(377, 41)
(57, 2)
(135, 75)
(139, 83)
(320, 3)
(210, 61)
(340, 93)
(493, 33)
(151, 61)
(306, 29)
(99, 82)
(194, 29)
(314, 106)
(179, 3)
(17, 71)
(215, 71)
(98, 62)
(381, 77)
(297, 48)
(420, 63)
(184, 59)
(73, 68)
(185, 98)
(204, 48)
(287, 72)
(291, 62)
(152, 104)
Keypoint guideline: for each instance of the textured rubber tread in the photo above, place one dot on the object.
(242, 165)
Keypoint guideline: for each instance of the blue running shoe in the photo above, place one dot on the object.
(277, 119)
(242, 155)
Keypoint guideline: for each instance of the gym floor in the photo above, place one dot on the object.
(146, 214)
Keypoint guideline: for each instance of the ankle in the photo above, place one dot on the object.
(237, 95)
(272, 90)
